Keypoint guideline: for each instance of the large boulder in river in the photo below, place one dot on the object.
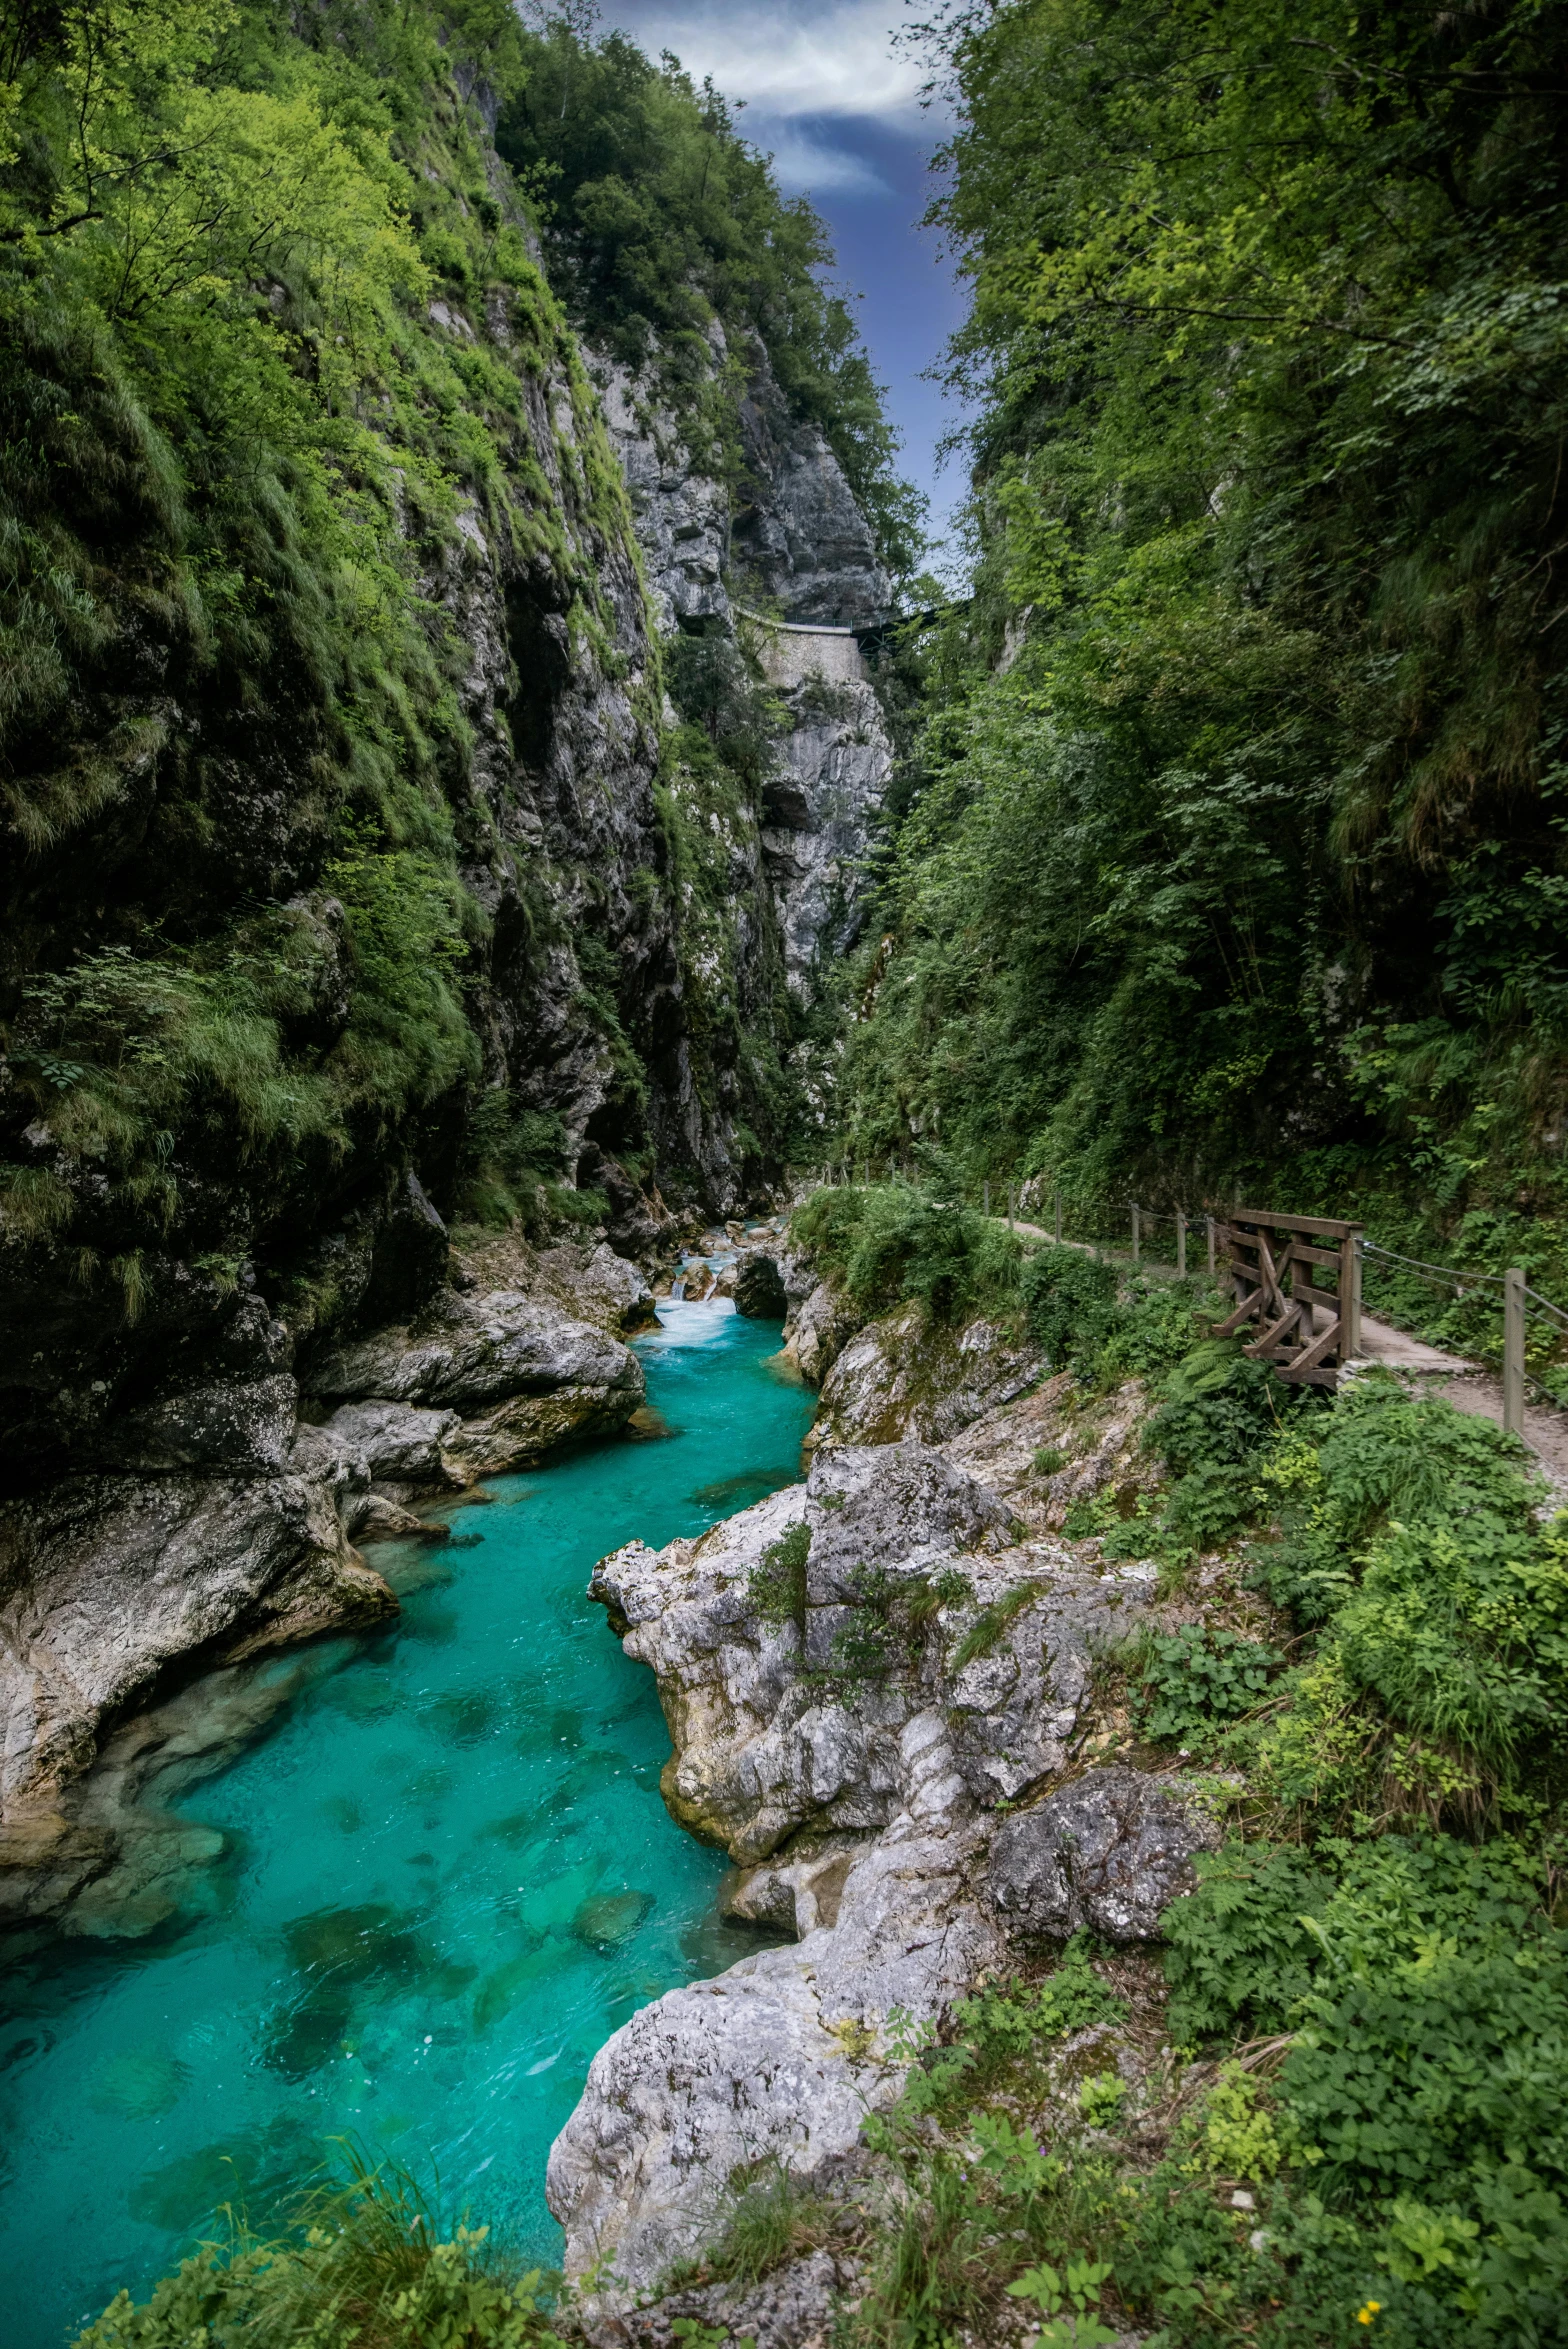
(466, 1352)
(853, 1674)
(759, 1288)
(779, 2059)
(889, 1556)
(1110, 1851)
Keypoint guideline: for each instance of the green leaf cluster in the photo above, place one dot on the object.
(363, 2267)
(893, 1242)
(1230, 859)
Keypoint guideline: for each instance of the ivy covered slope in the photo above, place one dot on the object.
(343, 835)
(1236, 854)
(329, 700)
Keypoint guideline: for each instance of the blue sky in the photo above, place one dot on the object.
(838, 105)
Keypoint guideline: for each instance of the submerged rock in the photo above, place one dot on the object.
(610, 1918)
(107, 1582)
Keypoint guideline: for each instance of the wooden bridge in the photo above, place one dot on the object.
(1307, 1332)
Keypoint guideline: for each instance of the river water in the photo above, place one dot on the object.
(446, 1875)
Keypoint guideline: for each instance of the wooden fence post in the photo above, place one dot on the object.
(1513, 1350)
(1011, 1214)
(1136, 1233)
(1181, 1244)
(1350, 1303)
(1209, 1220)
(1058, 1218)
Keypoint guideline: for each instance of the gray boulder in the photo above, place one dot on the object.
(817, 1327)
(759, 1289)
(889, 1503)
(105, 1582)
(465, 1352)
(223, 1424)
(908, 1375)
(1111, 1851)
(399, 1443)
(781, 2057)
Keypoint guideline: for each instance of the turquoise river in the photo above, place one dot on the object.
(445, 1875)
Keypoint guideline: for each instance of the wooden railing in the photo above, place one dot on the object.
(1306, 1332)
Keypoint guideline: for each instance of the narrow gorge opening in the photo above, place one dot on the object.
(783, 1242)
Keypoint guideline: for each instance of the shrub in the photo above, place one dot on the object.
(776, 1586)
(1218, 1410)
(888, 1242)
(1463, 1636)
(1383, 1457)
(1071, 1302)
(364, 2268)
(774, 2217)
(1195, 1680)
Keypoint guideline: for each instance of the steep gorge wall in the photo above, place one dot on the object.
(218, 1166)
(788, 535)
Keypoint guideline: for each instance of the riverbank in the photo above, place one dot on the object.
(424, 1873)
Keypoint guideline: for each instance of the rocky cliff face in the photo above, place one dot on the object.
(229, 1521)
(798, 538)
(226, 1360)
(792, 535)
(881, 1698)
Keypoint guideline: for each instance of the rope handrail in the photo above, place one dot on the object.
(1444, 1272)
(1556, 1311)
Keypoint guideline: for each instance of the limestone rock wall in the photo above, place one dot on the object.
(881, 1699)
(792, 534)
(226, 1520)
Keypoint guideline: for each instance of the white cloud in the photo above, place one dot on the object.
(815, 57)
(803, 166)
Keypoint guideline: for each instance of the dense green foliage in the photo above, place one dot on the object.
(235, 765)
(1246, 870)
(897, 1241)
(1380, 1944)
(363, 2267)
(273, 356)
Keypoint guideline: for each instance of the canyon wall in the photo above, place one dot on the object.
(596, 974)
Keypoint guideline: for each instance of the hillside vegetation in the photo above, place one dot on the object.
(1232, 858)
(273, 339)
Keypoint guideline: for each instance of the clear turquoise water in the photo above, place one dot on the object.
(446, 1877)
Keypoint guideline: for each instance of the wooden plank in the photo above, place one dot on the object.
(1271, 1278)
(1328, 1227)
(1301, 1252)
(1272, 1336)
(1244, 1312)
(1350, 1298)
(1319, 1350)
